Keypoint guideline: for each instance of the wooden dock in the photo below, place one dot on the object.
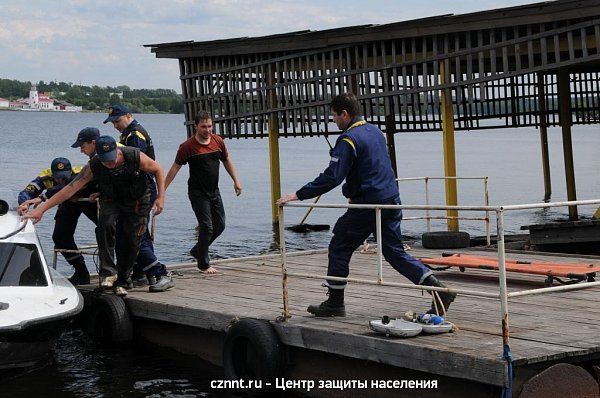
(544, 329)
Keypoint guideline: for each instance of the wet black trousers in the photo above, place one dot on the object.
(66, 218)
(210, 214)
(132, 217)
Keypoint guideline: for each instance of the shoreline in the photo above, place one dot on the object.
(82, 111)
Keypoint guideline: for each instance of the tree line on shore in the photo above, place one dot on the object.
(96, 98)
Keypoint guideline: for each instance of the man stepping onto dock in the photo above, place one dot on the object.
(360, 157)
(203, 152)
(124, 197)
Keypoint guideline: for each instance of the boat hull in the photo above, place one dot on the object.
(31, 346)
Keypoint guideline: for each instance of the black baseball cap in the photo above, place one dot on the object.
(61, 168)
(86, 135)
(115, 112)
(106, 148)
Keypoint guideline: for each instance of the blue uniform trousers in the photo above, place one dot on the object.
(354, 227)
(66, 218)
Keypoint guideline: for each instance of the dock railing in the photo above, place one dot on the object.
(503, 295)
(428, 217)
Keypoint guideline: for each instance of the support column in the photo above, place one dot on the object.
(544, 137)
(449, 150)
(390, 125)
(274, 149)
(564, 103)
(390, 130)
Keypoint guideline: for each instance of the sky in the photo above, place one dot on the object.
(100, 43)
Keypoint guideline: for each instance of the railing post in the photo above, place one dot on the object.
(506, 353)
(284, 275)
(427, 214)
(487, 212)
(502, 274)
(379, 245)
(54, 258)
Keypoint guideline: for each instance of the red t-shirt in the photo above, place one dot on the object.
(203, 161)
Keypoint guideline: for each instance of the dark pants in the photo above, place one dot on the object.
(66, 219)
(132, 217)
(354, 227)
(146, 261)
(210, 214)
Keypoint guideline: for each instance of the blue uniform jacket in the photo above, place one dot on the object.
(45, 182)
(132, 136)
(360, 157)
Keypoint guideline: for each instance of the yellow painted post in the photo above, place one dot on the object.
(449, 151)
(274, 150)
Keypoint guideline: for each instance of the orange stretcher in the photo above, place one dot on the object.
(575, 272)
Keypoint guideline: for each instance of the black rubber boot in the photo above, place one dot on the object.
(333, 306)
(81, 275)
(445, 297)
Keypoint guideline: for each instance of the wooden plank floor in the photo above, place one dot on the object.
(542, 328)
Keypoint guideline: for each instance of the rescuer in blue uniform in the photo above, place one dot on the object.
(124, 197)
(360, 157)
(135, 135)
(42, 188)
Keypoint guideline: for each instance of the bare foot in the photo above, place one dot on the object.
(210, 271)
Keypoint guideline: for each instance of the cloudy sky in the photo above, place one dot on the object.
(99, 42)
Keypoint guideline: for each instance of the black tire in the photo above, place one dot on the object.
(445, 240)
(108, 320)
(252, 351)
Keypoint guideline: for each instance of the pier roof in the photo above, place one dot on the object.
(531, 65)
(496, 63)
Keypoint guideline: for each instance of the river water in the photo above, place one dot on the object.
(30, 140)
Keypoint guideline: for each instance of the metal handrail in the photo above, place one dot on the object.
(428, 217)
(16, 231)
(503, 294)
(80, 250)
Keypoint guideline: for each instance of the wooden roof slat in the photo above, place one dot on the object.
(443, 24)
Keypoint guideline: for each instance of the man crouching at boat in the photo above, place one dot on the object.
(360, 157)
(124, 196)
(44, 186)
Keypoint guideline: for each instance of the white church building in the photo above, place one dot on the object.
(39, 101)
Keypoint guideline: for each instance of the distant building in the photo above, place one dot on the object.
(4, 103)
(42, 101)
(17, 104)
(120, 95)
(66, 106)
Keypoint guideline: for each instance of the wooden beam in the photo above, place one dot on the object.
(449, 151)
(544, 137)
(564, 103)
(274, 148)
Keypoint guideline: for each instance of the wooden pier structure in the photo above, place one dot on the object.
(535, 65)
(195, 317)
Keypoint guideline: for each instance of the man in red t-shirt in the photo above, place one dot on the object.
(203, 152)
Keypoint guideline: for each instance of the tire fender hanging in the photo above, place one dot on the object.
(252, 350)
(108, 319)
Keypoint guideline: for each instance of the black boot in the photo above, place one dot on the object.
(445, 297)
(333, 306)
(81, 275)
